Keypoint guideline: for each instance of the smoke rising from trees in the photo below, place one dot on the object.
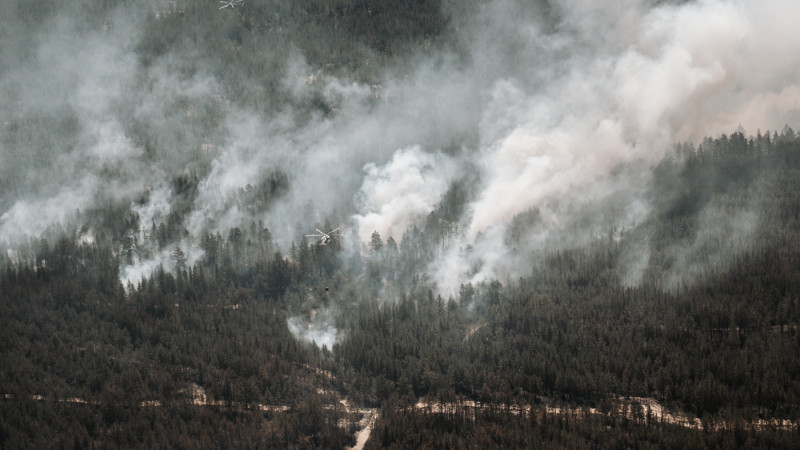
(295, 219)
(563, 108)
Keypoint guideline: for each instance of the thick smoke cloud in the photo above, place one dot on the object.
(74, 77)
(620, 87)
(561, 107)
(401, 193)
(676, 73)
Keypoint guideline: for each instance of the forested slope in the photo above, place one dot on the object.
(164, 167)
(86, 358)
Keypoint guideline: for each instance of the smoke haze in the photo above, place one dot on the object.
(561, 107)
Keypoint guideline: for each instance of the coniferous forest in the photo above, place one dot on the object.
(168, 172)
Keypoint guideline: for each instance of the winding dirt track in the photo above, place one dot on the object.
(363, 435)
(633, 408)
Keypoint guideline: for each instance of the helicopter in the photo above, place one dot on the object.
(324, 238)
(232, 3)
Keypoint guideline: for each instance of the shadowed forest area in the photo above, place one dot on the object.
(723, 348)
(159, 315)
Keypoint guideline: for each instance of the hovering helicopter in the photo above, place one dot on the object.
(324, 238)
(231, 3)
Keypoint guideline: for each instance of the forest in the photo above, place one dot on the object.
(184, 320)
(88, 361)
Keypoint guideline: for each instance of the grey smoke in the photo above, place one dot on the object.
(320, 329)
(564, 110)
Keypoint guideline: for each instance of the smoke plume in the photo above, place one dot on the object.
(561, 107)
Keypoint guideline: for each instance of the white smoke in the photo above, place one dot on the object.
(401, 193)
(144, 267)
(320, 331)
(668, 73)
(155, 209)
(145, 256)
(80, 74)
(564, 114)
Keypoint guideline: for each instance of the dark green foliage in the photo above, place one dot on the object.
(66, 336)
(720, 342)
(462, 427)
(708, 325)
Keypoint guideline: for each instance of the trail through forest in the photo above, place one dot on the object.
(368, 422)
(631, 408)
(644, 409)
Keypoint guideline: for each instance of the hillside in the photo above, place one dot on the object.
(406, 224)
